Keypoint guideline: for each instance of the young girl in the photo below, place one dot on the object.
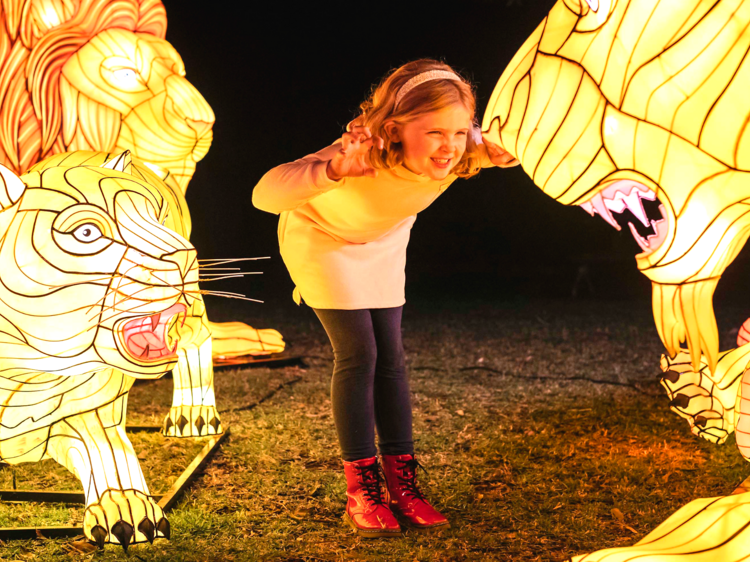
(345, 216)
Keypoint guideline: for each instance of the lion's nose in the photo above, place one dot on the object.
(190, 105)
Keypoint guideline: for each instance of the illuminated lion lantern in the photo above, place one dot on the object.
(94, 290)
(638, 111)
(98, 75)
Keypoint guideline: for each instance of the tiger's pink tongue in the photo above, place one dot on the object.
(147, 345)
(145, 337)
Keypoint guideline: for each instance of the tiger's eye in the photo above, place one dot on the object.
(87, 233)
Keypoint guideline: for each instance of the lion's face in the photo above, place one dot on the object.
(130, 88)
(89, 275)
(635, 111)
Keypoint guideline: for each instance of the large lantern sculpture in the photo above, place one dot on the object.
(94, 294)
(99, 75)
(638, 111)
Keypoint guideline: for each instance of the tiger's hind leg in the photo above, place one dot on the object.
(94, 447)
(193, 412)
(705, 400)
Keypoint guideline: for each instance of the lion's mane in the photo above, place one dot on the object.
(37, 37)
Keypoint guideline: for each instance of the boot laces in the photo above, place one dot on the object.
(407, 475)
(371, 479)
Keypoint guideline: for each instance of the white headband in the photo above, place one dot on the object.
(415, 81)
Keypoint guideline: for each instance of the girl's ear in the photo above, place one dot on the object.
(392, 130)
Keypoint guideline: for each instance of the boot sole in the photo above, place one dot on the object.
(370, 534)
(423, 530)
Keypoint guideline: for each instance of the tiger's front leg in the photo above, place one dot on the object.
(94, 447)
(193, 412)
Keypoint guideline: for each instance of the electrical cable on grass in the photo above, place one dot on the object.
(268, 396)
(536, 377)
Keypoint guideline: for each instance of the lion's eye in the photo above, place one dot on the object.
(593, 4)
(127, 76)
(87, 233)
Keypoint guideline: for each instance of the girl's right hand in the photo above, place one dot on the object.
(353, 160)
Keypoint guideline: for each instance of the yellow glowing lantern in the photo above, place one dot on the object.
(635, 111)
(705, 530)
(94, 292)
(98, 75)
(638, 111)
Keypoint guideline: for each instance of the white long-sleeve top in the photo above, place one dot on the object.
(344, 242)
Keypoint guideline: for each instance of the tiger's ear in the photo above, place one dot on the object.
(11, 188)
(121, 163)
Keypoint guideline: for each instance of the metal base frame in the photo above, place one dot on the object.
(271, 361)
(166, 501)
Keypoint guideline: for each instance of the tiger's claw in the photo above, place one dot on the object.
(192, 421)
(114, 517)
(708, 407)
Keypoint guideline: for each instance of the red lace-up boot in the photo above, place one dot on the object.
(366, 508)
(406, 500)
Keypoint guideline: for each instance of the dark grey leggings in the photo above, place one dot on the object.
(370, 387)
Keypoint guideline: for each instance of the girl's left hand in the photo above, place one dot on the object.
(498, 156)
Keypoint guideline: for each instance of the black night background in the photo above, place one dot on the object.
(284, 80)
(543, 409)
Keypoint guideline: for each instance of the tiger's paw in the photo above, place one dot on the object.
(124, 517)
(234, 339)
(696, 398)
(192, 421)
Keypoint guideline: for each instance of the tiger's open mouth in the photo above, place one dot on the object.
(145, 337)
(628, 203)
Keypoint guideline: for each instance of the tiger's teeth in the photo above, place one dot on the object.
(588, 207)
(646, 193)
(638, 238)
(616, 205)
(633, 201)
(155, 321)
(598, 202)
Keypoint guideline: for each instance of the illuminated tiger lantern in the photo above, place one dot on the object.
(99, 75)
(638, 111)
(95, 292)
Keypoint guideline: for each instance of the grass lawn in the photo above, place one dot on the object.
(527, 459)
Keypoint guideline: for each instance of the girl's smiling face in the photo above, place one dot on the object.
(435, 142)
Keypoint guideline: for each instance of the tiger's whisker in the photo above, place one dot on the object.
(227, 295)
(114, 293)
(222, 278)
(125, 297)
(208, 260)
(208, 264)
(137, 306)
(236, 274)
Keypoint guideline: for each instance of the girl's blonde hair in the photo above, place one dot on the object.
(433, 95)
